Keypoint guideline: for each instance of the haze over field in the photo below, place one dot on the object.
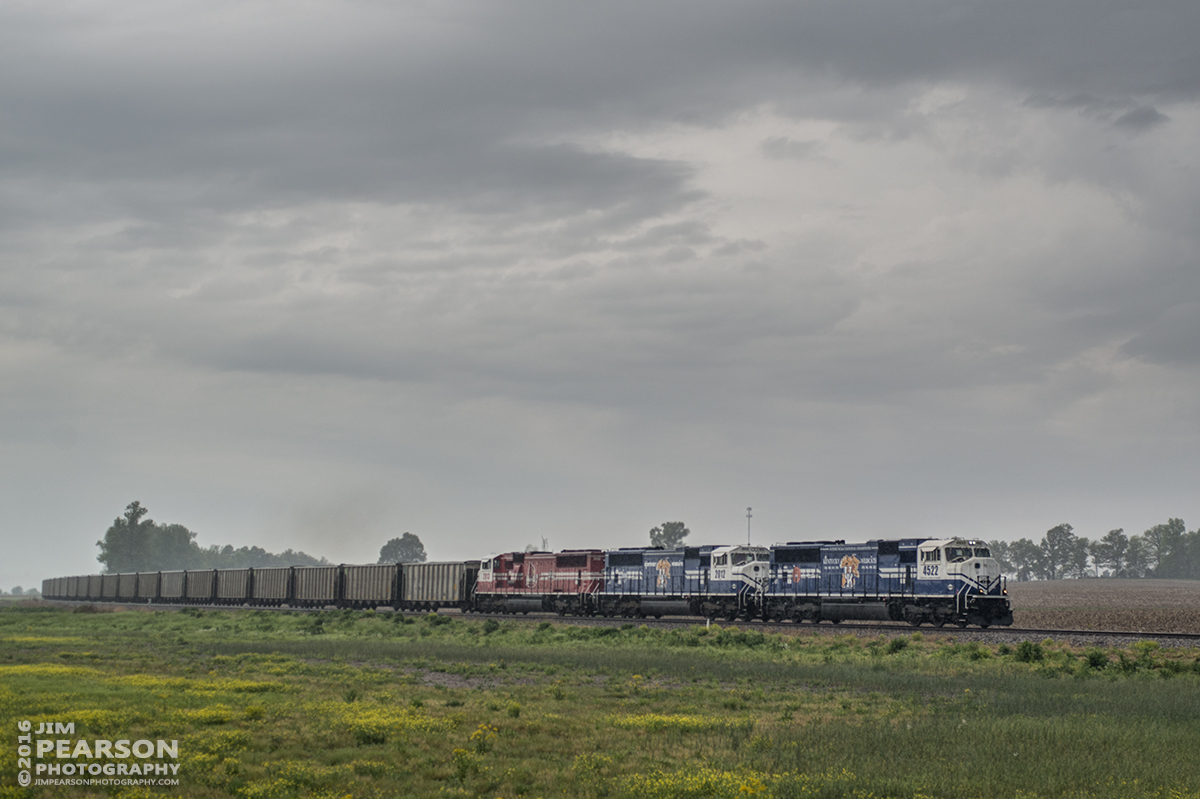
(314, 274)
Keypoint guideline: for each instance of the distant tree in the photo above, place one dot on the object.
(1026, 559)
(1111, 552)
(18, 591)
(124, 547)
(669, 535)
(1002, 554)
(405, 549)
(1078, 558)
(1137, 558)
(290, 557)
(1058, 551)
(1156, 545)
(171, 546)
(1169, 545)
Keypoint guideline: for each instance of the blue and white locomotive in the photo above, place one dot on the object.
(712, 581)
(914, 580)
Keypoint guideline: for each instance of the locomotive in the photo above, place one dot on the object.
(913, 580)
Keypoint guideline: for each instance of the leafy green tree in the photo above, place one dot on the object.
(1112, 552)
(1170, 545)
(1058, 551)
(1078, 558)
(1137, 559)
(125, 546)
(1156, 545)
(669, 535)
(1026, 559)
(405, 549)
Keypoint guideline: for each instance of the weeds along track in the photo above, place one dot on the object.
(1088, 637)
(365, 705)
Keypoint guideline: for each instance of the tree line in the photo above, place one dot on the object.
(135, 543)
(1165, 550)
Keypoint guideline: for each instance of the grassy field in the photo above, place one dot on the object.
(359, 704)
(1108, 604)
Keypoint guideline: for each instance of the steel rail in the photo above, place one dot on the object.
(692, 621)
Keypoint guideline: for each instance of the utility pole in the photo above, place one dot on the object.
(747, 526)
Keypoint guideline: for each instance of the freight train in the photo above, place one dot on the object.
(914, 580)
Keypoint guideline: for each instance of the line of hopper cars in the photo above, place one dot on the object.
(913, 580)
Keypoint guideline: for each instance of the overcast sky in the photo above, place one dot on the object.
(312, 274)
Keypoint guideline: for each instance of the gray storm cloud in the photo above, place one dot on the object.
(506, 271)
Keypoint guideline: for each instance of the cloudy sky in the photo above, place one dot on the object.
(313, 274)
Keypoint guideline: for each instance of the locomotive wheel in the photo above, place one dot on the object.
(915, 622)
(961, 623)
(939, 622)
(836, 621)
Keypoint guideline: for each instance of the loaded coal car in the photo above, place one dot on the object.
(127, 586)
(147, 586)
(914, 580)
(200, 586)
(315, 586)
(171, 585)
(233, 586)
(433, 586)
(371, 585)
(271, 586)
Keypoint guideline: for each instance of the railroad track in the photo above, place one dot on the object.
(677, 622)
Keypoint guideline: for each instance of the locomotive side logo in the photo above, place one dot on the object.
(664, 572)
(850, 574)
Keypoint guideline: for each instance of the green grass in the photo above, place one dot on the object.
(362, 704)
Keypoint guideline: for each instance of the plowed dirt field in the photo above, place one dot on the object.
(1160, 606)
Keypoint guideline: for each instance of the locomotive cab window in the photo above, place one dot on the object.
(719, 560)
(931, 555)
(742, 557)
(957, 554)
(982, 552)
